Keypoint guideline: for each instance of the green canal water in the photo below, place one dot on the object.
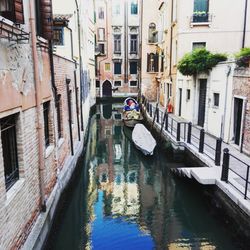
(121, 199)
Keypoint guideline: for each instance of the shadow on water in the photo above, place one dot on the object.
(121, 199)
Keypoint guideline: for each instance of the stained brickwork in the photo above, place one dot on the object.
(241, 88)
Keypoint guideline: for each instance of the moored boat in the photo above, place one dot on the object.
(143, 139)
(131, 112)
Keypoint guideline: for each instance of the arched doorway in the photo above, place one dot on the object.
(107, 89)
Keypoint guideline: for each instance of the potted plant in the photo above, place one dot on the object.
(200, 17)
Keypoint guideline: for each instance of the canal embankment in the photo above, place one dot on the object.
(226, 169)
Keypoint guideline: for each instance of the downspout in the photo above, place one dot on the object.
(140, 75)
(38, 106)
(70, 117)
(125, 42)
(75, 83)
(80, 61)
(106, 36)
(245, 24)
(171, 41)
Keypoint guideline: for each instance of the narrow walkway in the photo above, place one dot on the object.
(176, 129)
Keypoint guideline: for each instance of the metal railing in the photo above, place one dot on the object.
(204, 143)
(227, 169)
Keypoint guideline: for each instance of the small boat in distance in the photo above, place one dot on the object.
(131, 112)
(143, 139)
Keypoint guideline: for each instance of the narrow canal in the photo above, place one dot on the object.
(120, 199)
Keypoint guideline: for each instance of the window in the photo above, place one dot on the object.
(216, 99)
(188, 95)
(117, 83)
(12, 10)
(101, 13)
(101, 48)
(59, 118)
(134, 7)
(107, 66)
(9, 150)
(152, 33)
(199, 45)
(116, 9)
(133, 68)
(58, 33)
(117, 68)
(200, 11)
(101, 34)
(117, 44)
(152, 62)
(97, 84)
(46, 123)
(133, 44)
(133, 83)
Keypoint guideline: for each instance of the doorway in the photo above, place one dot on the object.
(202, 102)
(238, 105)
(107, 89)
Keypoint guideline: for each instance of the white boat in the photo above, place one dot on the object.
(143, 139)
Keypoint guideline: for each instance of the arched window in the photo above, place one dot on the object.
(152, 33)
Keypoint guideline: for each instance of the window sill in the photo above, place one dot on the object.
(14, 190)
(48, 151)
(194, 24)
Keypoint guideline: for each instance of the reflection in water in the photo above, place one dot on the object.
(124, 200)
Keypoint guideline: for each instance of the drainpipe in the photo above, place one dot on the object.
(80, 61)
(70, 117)
(106, 36)
(245, 24)
(75, 84)
(38, 106)
(171, 41)
(222, 133)
(140, 75)
(125, 42)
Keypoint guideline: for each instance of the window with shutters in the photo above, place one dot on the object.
(117, 68)
(58, 36)
(44, 19)
(134, 7)
(101, 34)
(12, 10)
(152, 62)
(9, 149)
(133, 44)
(152, 33)
(46, 110)
(117, 44)
(133, 67)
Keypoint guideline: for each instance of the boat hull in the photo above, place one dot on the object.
(143, 139)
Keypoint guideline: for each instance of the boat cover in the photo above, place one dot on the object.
(143, 139)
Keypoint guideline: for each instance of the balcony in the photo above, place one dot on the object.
(200, 18)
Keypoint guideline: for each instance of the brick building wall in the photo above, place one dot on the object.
(241, 88)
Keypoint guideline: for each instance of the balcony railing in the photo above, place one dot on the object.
(201, 18)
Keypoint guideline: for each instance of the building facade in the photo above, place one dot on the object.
(44, 109)
(117, 47)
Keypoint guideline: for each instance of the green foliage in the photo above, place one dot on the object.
(199, 61)
(243, 57)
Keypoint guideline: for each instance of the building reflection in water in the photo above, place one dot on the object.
(131, 194)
